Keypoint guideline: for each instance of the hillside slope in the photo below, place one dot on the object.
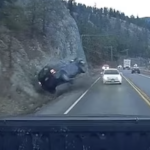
(23, 55)
(110, 28)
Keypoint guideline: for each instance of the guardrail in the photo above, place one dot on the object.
(145, 70)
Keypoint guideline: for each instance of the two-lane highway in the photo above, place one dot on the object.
(102, 99)
(111, 99)
(140, 80)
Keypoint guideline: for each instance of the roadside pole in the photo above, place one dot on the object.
(111, 49)
(92, 35)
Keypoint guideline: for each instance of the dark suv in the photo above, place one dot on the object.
(135, 70)
(52, 76)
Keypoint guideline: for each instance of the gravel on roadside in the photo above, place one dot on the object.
(13, 108)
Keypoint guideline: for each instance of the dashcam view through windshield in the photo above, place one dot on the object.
(74, 57)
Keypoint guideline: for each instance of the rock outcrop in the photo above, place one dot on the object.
(20, 63)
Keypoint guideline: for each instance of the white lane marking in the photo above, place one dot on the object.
(75, 103)
(145, 76)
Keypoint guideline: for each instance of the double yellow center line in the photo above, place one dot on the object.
(139, 91)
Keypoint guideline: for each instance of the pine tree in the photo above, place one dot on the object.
(116, 31)
(70, 6)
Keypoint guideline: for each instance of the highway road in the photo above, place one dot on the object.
(130, 98)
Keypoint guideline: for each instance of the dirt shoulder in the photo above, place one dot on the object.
(28, 106)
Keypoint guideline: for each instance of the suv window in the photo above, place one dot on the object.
(111, 72)
(43, 73)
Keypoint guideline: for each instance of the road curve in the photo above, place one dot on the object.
(101, 100)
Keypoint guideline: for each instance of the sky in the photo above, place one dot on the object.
(129, 7)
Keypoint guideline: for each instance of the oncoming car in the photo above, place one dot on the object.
(135, 69)
(111, 76)
(120, 67)
(105, 67)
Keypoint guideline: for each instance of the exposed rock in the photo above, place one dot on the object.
(62, 43)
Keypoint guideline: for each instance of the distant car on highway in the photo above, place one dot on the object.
(135, 69)
(105, 67)
(120, 67)
(52, 76)
(112, 76)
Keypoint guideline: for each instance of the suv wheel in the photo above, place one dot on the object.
(82, 69)
(65, 77)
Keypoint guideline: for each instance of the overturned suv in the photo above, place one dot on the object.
(52, 76)
(135, 70)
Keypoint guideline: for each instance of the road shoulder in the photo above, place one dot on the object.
(67, 96)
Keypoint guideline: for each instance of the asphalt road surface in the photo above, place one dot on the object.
(130, 98)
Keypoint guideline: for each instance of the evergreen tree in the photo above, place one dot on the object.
(71, 6)
(115, 31)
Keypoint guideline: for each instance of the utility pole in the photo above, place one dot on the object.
(111, 49)
(111, 52)
(127, 52)
(93, 35)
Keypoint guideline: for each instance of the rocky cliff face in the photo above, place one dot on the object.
(27, 56)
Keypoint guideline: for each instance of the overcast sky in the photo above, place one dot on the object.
(129, 7)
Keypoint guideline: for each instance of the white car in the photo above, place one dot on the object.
(112, 76)
(120, 67)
